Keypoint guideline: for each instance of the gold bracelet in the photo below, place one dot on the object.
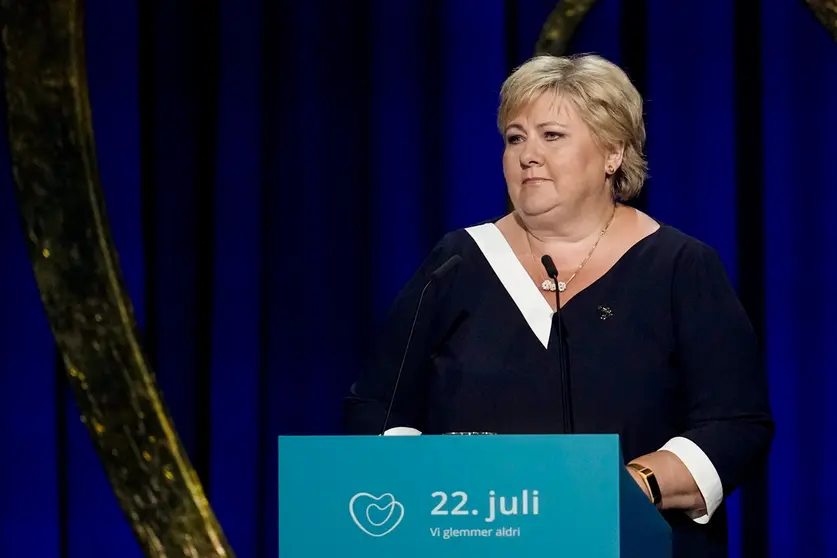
(647, 475)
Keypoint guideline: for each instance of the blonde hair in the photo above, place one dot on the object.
(606, 101)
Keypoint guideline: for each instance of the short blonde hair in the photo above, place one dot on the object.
(606, 101)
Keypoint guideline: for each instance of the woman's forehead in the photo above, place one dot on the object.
(547, 105)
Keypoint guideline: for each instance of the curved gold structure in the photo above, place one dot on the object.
(826, 12)
(567, 14)
(560, 26)
(77, 271)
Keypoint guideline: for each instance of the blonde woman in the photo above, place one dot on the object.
(654, 343)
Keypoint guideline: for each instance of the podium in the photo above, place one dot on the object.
(451, 496)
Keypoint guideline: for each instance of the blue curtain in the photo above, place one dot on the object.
(800, 191)
(274, 172)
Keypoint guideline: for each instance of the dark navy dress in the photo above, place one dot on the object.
(659, 347)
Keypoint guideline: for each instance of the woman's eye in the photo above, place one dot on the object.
(514, 139)
(553, 135)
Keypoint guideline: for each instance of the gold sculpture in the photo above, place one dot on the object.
(567, 14)
(77, 271)
(560, 26)
(826, 12)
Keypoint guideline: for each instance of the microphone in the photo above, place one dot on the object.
(452, 262)
(563, 365)
(437, 274)
(551, 270)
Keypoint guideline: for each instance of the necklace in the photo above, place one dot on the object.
(548, 284)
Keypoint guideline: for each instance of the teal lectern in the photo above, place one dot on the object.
(484, 496)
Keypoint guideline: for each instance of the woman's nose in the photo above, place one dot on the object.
(531, 155)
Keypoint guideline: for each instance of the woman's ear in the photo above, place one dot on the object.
(613, 159)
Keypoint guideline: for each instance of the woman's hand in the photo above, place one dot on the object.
(677, 487)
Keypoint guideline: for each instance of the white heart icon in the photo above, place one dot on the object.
(389, 502)
(383, 522)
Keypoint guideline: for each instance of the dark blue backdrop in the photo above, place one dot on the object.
(275, 171)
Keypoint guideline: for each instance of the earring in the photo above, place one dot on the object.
(610, 170)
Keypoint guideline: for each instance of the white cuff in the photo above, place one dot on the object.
(402, 431)
(704, 473)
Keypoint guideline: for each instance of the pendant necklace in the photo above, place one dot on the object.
(548, 284)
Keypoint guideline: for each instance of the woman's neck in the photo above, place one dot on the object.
(558, 228)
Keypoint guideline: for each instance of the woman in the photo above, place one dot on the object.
(657, 347)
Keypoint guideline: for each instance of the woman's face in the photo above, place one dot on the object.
(551, 158)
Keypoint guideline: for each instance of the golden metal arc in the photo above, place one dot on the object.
(77, 271)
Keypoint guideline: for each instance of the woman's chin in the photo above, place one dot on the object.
(536, 208)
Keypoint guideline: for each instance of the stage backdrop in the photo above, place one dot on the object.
(274, 172)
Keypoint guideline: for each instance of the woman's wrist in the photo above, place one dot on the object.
(647, 481)
(635, 475)
(677, 488)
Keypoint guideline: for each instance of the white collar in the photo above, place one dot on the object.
(535, 309)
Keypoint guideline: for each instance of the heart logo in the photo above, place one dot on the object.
(376, 515)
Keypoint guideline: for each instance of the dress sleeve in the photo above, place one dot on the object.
(365, 407)
(729, 420)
